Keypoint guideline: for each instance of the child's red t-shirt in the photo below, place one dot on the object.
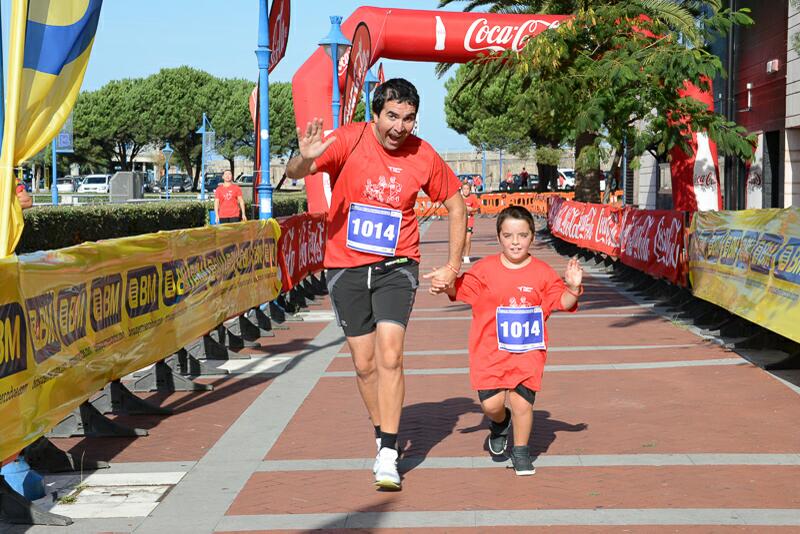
(488, 285)
(363, 172)
(228, 197)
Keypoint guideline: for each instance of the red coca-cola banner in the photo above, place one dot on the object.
(652, 241)
(357, 67)
(302, 247)
(592, 226)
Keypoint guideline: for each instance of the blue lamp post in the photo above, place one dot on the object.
(263, 54)
(167, 151)
(203, 131)
(335, 45)
(54, 181)
(369, 84)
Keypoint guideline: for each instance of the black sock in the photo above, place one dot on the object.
(388, 440)
(497, 428)
(377, 431)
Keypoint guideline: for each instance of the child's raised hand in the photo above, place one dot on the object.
(573, 275)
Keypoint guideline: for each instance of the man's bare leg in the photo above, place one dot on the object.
(362, 349)
(391, 383)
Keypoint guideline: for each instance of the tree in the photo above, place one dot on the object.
(110, 124)
(229, 114)
(603, 74)
(177, 99)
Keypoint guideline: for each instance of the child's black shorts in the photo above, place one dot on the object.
(364, 296)
(523, 391)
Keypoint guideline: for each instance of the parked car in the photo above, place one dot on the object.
(95, 183)
(566, 178)
(66, 184)
(180, 183)
(244, 179)
(213, 179)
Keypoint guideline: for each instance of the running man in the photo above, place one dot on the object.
(372, 251)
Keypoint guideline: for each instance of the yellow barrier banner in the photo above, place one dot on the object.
(748, 262)
(74, 319)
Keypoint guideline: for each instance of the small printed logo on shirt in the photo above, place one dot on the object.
(522, 303)
(396, 170)
(384, 191)
(525, 289)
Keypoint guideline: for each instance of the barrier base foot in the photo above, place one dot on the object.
(297, 298)
(214, 350)
(86, 420)
(117, 399)
(318, 285)
(185, 363)
(231, 337)
(262, 319)
(288, 309)
(250, 330)
(43, 455)
(163, 377)
(17, 510)
(306, 291)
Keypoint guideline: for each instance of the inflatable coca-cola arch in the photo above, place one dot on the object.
(458, 37)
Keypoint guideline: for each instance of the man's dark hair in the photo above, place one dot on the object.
(397, 90)
(515, 212)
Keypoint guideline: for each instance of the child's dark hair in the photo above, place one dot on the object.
(515, 212)
(397, 90)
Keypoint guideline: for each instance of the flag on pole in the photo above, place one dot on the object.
(49, 46)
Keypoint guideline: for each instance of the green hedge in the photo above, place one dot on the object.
(52, 227)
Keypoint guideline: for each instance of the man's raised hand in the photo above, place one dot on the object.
(310, 142)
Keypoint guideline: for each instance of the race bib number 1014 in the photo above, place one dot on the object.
(373, 229)
(520, 329)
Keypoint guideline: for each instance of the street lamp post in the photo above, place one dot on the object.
(370, 82)
(167, 151)
(263, 54)
(335, 44)
(54, 181)
(203, 131)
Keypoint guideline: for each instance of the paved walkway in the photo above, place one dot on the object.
(641, 426)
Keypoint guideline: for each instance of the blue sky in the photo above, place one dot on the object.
(137, 38)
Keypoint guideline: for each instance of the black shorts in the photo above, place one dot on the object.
(379, 292)
(223, 220)
(523, 391)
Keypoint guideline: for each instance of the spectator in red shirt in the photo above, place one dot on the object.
(25, 200)
(512, 294)
(228, 201)
(372, 250)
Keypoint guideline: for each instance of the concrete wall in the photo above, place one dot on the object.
(646, 179)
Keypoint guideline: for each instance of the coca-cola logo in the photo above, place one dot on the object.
(754, 182)
(637, 245)
(667, 242)
(706, 181)
(360, 66)
(483, 36)
(279, 34)
(289, 255)
(607, 231)
(344, 60)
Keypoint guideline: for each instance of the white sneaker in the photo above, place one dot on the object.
(377, 455)
(386, 476)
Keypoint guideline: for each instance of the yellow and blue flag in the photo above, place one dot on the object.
(49, 46)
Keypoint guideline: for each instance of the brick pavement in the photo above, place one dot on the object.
(641, 426)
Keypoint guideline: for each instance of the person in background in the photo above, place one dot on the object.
(473, 206)
(524, 179)
(25, 200)
(228, 201)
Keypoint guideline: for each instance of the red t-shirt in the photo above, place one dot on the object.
(376, 190)
(228, 200)
(488, 285)
(471, 201)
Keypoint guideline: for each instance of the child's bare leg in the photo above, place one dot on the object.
(495, 407)
(521, 418)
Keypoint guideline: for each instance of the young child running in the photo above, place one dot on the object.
(512, 294)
